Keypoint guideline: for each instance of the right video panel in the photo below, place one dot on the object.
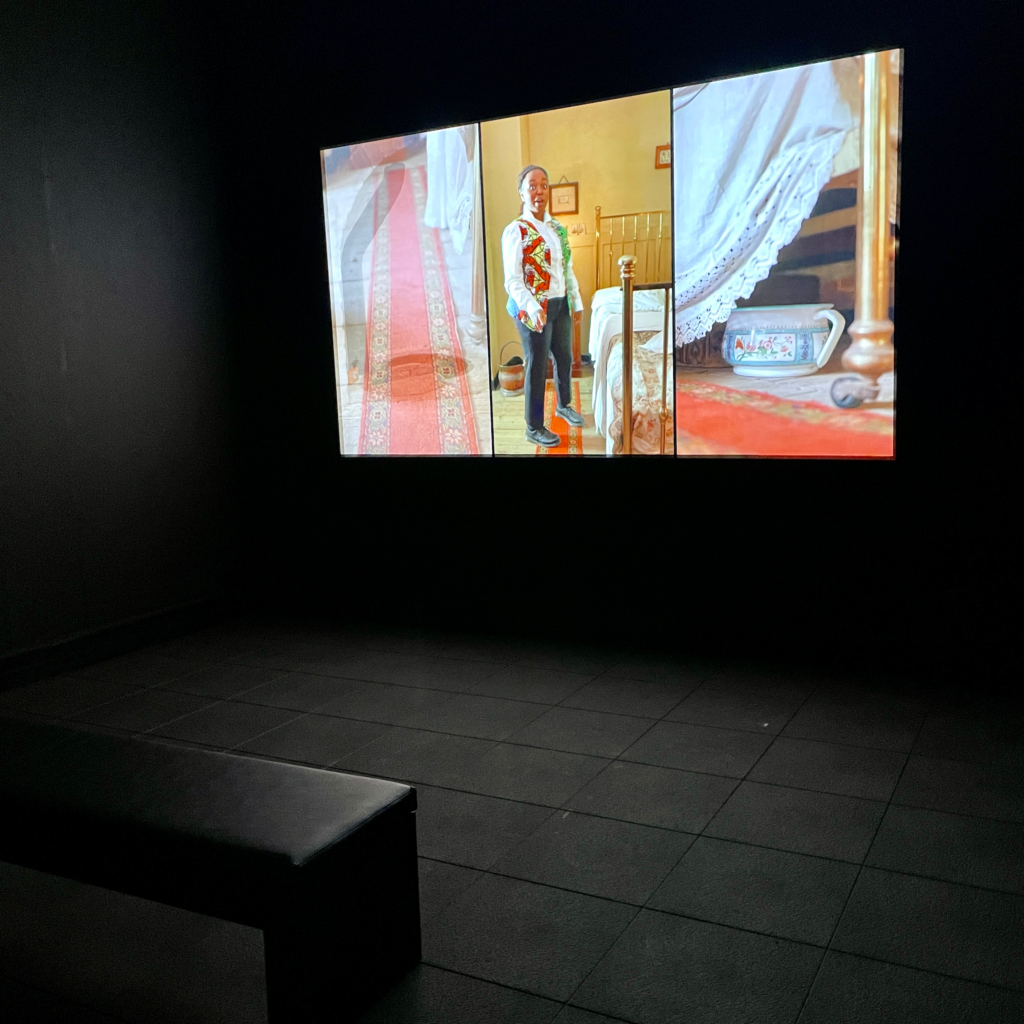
(785, 233)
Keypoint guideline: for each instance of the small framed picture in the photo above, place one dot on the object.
(662, 156)
(564, 198)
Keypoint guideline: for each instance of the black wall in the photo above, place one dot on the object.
(115, 417)
(179, 153)
(877, 562)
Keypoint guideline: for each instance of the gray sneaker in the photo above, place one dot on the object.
(571, 416)
(541, 435)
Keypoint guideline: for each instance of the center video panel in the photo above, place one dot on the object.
(567, 193)
(478, 273)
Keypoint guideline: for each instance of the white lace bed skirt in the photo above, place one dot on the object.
(752, 155)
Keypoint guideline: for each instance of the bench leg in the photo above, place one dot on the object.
(347, 938)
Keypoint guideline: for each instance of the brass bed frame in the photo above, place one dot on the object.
(643, 244)
(646, 236)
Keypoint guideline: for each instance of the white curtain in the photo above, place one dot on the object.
(751, 156)
(449, 185)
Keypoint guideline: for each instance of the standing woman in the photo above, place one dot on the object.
(544, 300)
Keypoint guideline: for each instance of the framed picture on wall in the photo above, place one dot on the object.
(662, 157)
(564, 198)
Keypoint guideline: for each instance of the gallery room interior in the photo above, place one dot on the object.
(291, 735)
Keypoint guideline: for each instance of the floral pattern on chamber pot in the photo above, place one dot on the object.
(781, 341)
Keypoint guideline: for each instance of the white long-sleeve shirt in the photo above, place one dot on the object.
(512, 259)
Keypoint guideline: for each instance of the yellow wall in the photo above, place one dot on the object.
(500, 152)
(608, 148)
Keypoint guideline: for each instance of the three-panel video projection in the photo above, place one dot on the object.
(741, 233)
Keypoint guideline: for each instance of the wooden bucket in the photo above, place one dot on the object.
(511, 376)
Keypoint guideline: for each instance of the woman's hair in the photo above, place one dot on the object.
(524, 172)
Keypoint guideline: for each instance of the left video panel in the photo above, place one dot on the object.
(403, 218)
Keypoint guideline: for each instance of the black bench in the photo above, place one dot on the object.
(323, 863)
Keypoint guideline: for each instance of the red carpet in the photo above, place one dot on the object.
(715, 420)
(572, 437)
(415, 399)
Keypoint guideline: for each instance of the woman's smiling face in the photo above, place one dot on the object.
(534, 192)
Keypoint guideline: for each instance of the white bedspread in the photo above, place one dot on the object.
(752, 155)
(647, 377)
(606, 325)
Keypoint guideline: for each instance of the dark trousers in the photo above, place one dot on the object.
(556, 339)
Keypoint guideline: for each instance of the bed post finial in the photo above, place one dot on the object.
(627, 270)
(597, 248)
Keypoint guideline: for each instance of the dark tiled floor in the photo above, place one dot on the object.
(603, 836)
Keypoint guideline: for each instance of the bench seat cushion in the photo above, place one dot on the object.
(228, 834)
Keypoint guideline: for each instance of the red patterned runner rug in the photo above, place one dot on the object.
(571, 437)
(716, 420)
(415, 397)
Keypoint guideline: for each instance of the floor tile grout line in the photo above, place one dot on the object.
(472, 885)
(937, 878)
(465, 736)
(472, 692)
(652, 910)
(604, 956)
(309, 667)
(955, 814)
(550, 885)
(1017, 771)
(72, 715)
(145, 732)
(214, 702)
(296, 715)
(469, 792)
(707, 920)
(925, 970)
(857, 877)
(831, 743)
(510, 988)
(610, 1016)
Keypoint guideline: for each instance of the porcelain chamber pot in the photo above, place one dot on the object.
(781, 341)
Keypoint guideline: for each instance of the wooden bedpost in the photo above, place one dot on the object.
(871, 352)
(627, 269)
